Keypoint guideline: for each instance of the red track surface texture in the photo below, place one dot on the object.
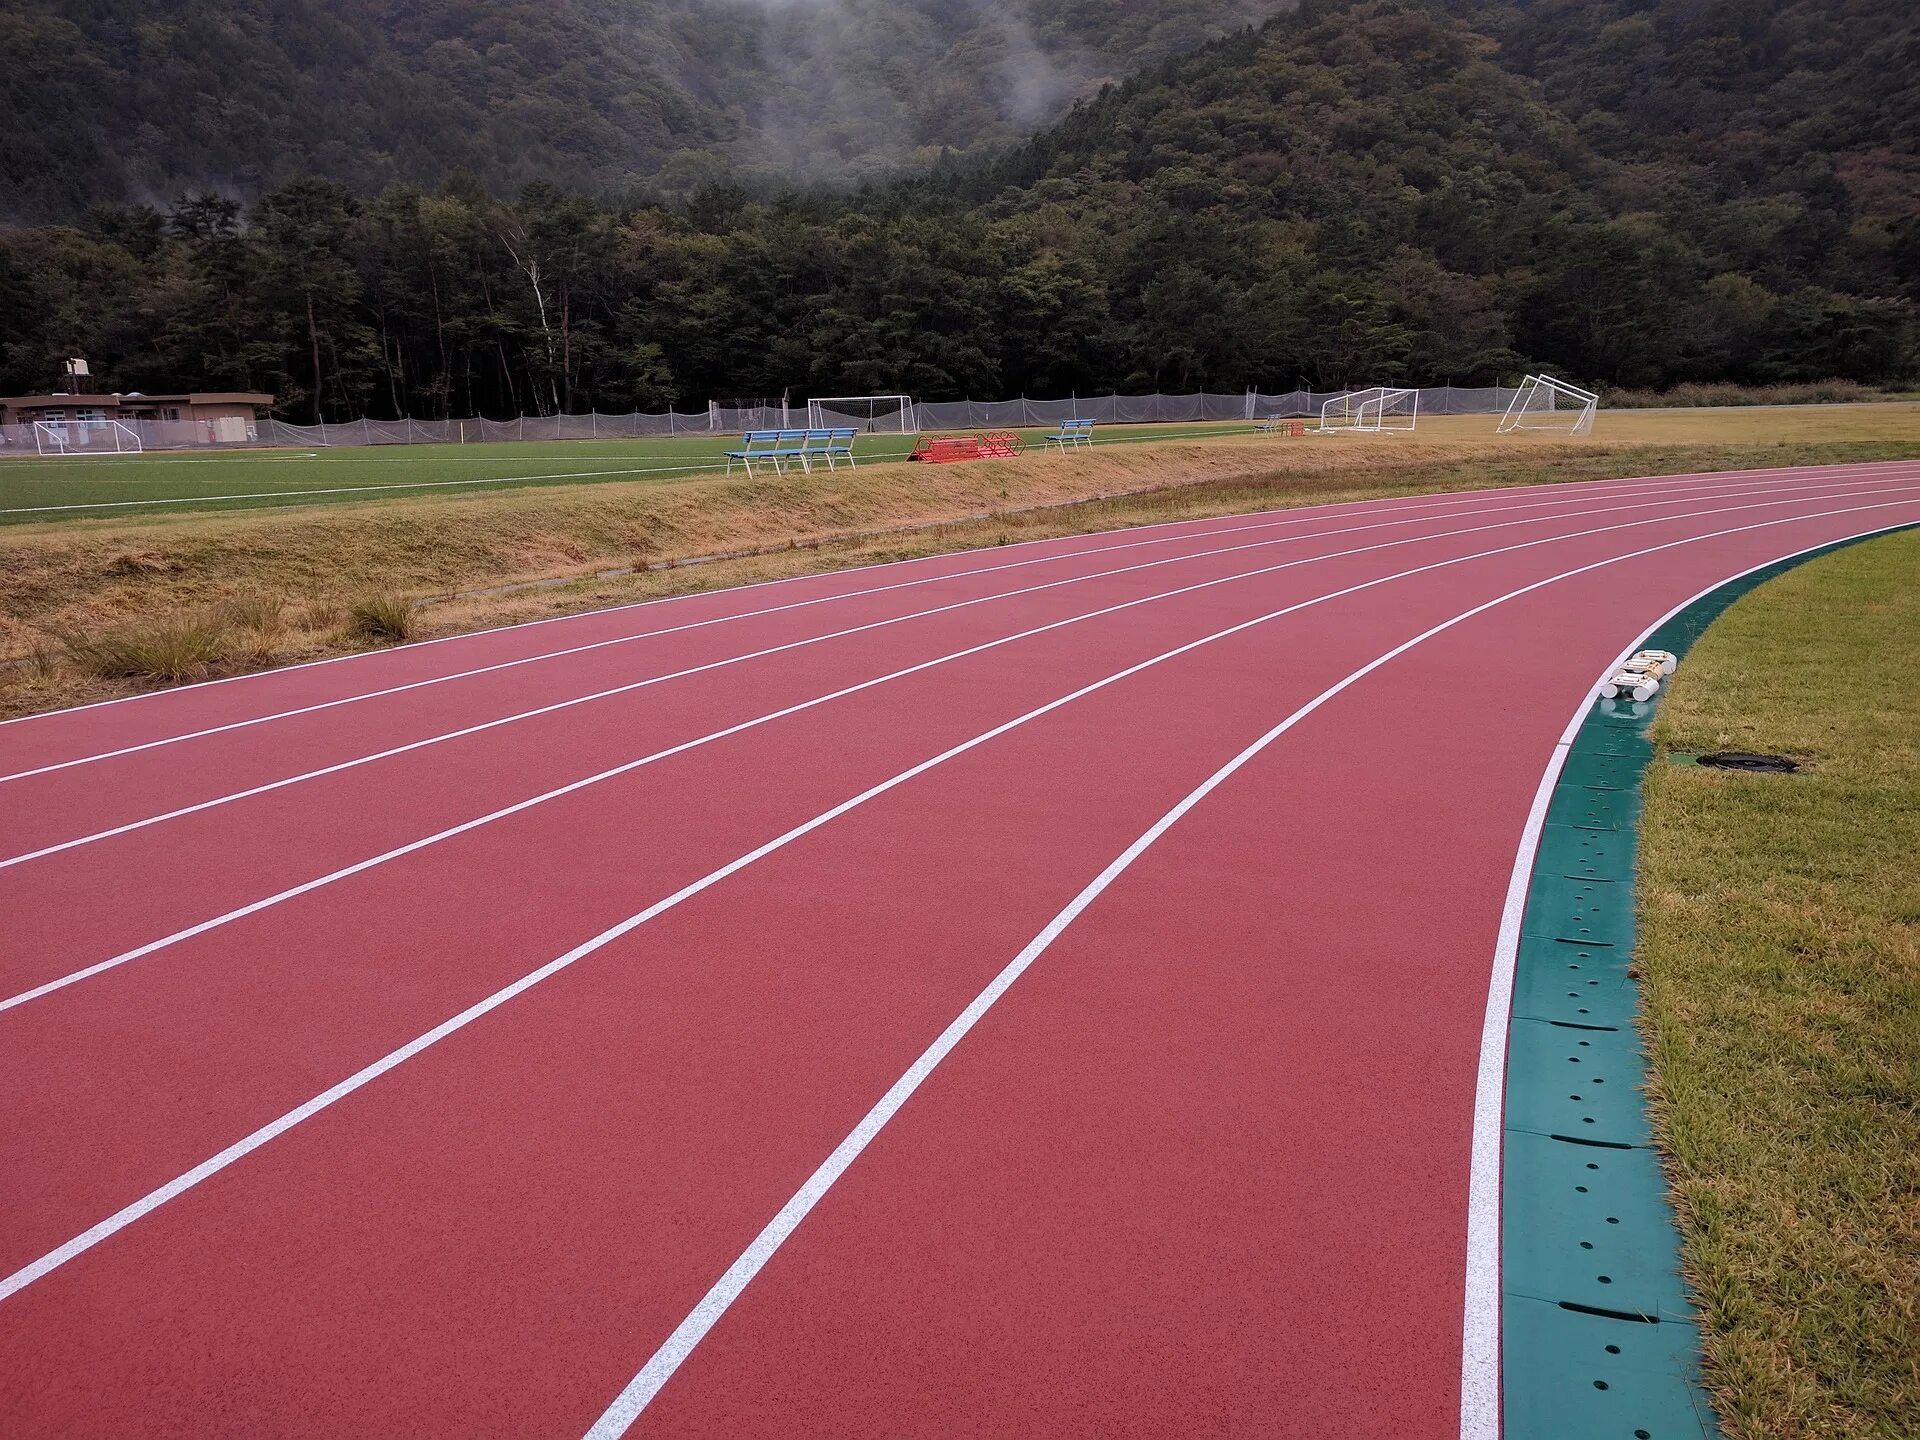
(578, 1047)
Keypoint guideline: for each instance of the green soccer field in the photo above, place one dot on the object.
(34, 489)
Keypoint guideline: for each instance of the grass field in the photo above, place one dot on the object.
(33, 489)
(75, 487)
(1780, 948)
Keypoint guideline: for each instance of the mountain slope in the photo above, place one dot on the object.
(139, 99)
(1361, 192)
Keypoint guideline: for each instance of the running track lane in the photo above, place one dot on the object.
(1202, 1168)
(210, 858)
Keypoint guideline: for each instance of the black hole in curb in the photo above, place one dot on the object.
(1746, 760)
(1607, 1314)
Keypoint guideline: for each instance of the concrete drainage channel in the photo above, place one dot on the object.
(1598, 1337)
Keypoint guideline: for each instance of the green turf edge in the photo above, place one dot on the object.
(1598, 1335)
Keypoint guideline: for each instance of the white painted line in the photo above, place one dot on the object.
(411, 685)
(114, 962)
(1480, 1412)
(1783, 475)
(341, 766)
(215, 500)
(660, 1367)
(154, 1199)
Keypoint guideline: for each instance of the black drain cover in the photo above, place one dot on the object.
(1743, 760)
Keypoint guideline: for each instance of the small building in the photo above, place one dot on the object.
(203, 417)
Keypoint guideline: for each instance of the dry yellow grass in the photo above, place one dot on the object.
(94, 578)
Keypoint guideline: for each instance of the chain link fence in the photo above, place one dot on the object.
(716, 419)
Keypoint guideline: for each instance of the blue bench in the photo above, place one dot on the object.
(775, 447)
(1071, 435)
(755, 445)
(831, 446)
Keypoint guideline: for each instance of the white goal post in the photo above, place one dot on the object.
(1373, 411)
(892, 414)
(1544, 403)
(91, 436)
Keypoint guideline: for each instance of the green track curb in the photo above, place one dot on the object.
(1598, 1337)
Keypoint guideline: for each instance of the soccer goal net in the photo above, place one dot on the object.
(91, 437)
(1544, 403)
(891, 414)
(1371, 411)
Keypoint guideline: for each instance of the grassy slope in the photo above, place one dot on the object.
(1780, 944)
(83, 580)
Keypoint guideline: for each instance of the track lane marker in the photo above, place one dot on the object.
(497, 666)
(154, 1199)
(114, 962)
(338, 767)
(1783, 474)
(640, 1391)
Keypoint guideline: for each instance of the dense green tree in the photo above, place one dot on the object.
(1365, 191)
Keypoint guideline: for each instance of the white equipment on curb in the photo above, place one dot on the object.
(873, 414)
(1640, 677)
(1382, 408)
(93, 435)
(1544, 403)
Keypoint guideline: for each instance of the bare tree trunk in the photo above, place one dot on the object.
(313, 339)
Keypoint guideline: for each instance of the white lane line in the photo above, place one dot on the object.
(1783, 475)
(356, 762)
(352, 489)
(114, 962)
(154, 1199)
(754, 614)
(673, 1352)
(412, 685)
(1480, 1417)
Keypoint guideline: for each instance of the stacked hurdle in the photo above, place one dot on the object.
(1640, 677)
(945, 449)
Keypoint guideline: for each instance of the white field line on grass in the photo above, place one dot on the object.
(317, 706)
(1781, 476)
(353, 489)
(660, 1367)
(719, 1298)
(481, 727)
(1480, 1416)
(359, 867)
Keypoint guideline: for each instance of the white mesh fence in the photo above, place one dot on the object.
(719, 419)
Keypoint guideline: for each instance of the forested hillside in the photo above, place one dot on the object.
(1364, 191)
(115, 100)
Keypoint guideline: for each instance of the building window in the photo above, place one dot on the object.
(173, 412)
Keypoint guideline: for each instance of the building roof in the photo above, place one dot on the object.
(108, 402)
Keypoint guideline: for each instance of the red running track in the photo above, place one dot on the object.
(1036, 991)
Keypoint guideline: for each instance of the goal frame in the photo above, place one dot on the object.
(55, 437)
(858, 409)
(1377, 410)
(1519, 415)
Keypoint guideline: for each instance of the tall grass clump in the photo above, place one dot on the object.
(165, 651)
(385, 617)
